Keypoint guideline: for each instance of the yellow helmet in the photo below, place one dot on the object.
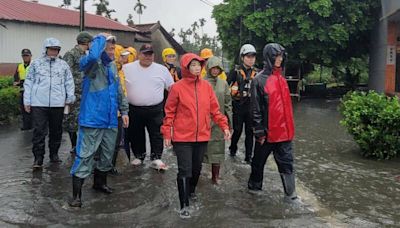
(167, 51)
(206, 53)
(133, 54)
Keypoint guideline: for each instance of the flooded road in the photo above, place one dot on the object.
(338, 187)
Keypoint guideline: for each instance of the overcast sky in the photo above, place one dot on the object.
(171, 13)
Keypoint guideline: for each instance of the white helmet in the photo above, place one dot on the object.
(247, 49)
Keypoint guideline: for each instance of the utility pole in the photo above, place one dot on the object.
(82, 16)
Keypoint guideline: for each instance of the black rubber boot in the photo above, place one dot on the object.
(254, 186)
(54, 158)
(192, 187)
(247, 159)
(289, 186)
(38, 163)
(183, 189)
(100, 182)
(232, 151)
(76, 192)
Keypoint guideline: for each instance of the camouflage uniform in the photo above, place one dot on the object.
(72, 57)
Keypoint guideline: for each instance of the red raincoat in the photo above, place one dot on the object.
(272, 107)
(190, 106)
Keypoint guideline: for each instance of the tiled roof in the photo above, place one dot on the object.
(18, 10)
(144, 28)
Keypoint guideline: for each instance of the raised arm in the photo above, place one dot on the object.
(95, 50)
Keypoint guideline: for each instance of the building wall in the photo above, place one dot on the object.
(389, 6)
(19, 35)
(378, 57)
(159, 43)
(390, 68)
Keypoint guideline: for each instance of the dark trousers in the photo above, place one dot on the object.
(283, 155)
(117, 141)
(46, 120)
(242, 115)
(26, 116)
(140, 118)
(190, 158)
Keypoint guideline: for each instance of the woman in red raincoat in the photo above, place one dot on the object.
(190, 106)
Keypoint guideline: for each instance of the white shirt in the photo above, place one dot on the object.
(145, 86)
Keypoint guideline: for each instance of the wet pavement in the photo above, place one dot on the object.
(337, 186)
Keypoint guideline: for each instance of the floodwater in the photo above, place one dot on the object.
(338, 187)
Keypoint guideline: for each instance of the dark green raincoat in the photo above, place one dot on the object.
(216, 145)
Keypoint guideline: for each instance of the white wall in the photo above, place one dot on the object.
(19, 35)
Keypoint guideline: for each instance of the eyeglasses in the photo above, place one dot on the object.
(170, 56)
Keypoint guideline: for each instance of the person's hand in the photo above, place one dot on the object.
(27, 108)
(16, 83)
(227, 134)
(125, 120)
(167, 143)
(261, 140)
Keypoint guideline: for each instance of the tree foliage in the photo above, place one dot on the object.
(139, 7)
(373, 120)
(192, 41)
(327, 32)
(102, 8)
(129, 21)
(65, 4)
(9, 99)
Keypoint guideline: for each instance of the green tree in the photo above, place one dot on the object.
(129, 21)
(65, 4)
(326, 32)
(182, 34)
(199, 41)
(139, 7)
(102, 8)
(172, 32)
(194, 26)
(202, 22)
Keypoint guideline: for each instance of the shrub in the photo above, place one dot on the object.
(374, 121)
(6, 81)
(9, 103)
(316, 76)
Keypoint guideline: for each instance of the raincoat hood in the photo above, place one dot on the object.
(132, 55)
(50, 42)
(117, 53)
(213, 62)
(118, 50)
(185, 61)
(270, 52)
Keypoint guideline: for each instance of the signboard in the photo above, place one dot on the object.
(391, 55)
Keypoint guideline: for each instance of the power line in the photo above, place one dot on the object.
(210, 2)
(207, 3)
